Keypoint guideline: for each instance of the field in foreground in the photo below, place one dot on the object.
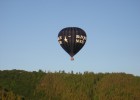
(23, 85)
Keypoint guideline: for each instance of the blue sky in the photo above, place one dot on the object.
(29, 30)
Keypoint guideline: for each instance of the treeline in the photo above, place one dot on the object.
(23, 85)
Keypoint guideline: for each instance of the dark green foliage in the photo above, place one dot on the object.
(9, 95)
(20, 82)
(20, 85)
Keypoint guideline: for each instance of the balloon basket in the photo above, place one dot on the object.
(72, 58)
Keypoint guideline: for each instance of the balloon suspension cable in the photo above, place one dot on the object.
(72, 58)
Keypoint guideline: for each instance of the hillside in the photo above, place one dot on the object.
(23, 85)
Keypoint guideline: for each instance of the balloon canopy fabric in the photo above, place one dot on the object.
(72, 39)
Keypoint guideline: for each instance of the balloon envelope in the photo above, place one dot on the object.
(72, 39)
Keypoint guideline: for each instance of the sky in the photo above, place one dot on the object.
(29, 30)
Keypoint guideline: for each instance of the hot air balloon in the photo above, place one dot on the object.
(72, 39)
